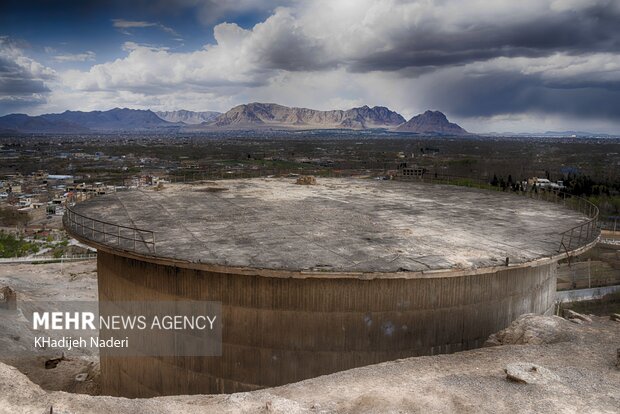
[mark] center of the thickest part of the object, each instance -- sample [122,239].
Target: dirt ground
[50,282]
[579,361]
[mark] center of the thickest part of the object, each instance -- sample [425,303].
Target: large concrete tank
[321,278]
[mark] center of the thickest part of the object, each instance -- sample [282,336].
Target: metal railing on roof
[125,237]
[574,237]
[582,233]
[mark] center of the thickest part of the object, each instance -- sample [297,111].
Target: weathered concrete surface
[467,382]
[338,225]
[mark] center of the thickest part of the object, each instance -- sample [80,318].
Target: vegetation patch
[12,246]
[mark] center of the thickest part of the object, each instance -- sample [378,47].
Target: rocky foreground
[554,366]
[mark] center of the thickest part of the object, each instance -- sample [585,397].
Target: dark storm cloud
[594,29]
[503,93]
[19,104]
[14,80]
[281,44]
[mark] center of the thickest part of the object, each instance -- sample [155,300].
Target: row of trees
[507,184]
[577,184]
[604,194]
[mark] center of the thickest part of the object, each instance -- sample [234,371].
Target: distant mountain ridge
[37,124]
[252,116]
[117,119]
[431,122]
[187,117]
[114,119]
[270,114]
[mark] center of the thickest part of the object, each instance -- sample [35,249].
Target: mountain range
[242,117]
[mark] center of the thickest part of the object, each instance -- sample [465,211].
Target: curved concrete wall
[282,330]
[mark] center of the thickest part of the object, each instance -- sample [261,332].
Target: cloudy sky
[490,65]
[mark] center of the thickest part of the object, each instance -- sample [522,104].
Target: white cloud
[23,81]
[123,25]
[76,57]
[156,70]
[28,67]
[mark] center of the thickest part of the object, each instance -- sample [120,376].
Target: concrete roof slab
[339,225]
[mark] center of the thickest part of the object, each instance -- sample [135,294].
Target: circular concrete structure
[323,278]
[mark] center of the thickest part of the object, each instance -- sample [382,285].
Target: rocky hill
[274,115]
[187,117]
[431,122]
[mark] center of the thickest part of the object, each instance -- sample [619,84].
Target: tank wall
[282,330]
